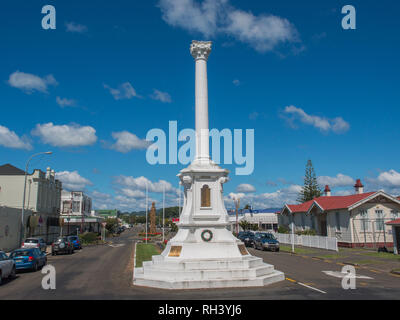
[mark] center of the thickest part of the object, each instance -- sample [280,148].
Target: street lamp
[23,198]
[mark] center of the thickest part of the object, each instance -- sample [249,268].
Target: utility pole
[237,205]
[146,209]
[163,215]
[292,237]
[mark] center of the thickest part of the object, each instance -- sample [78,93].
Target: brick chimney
[327,191]
[359,187]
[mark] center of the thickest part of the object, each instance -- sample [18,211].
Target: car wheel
[35,267]
[277,250]
[1,279]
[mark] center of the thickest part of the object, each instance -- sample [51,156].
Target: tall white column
[200,51]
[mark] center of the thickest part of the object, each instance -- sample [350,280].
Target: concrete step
[155,272]
[273,277]
[206,264]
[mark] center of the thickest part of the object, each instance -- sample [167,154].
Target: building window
[66,206]
[205,196]
[364,220]
[379,220]
[337,216]
[395,214]
[76,206]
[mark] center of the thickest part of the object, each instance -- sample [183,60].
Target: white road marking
[309,287]
[117,245]
[338,274]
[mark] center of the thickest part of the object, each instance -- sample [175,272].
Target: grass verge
[144,252]
[385,255]
[286,248]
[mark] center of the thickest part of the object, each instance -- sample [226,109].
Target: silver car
[35,243]
[7,267]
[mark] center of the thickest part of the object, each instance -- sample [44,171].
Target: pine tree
[311,189]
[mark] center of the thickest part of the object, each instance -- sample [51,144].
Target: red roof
[330,203]
[397,221]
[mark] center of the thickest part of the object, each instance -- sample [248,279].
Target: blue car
[75,241]
[28,259]
[265,241]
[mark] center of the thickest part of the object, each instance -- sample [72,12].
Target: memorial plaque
[243,250]
[175,251]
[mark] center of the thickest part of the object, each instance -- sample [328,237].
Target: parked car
[34,243]
[265,241]
[31,258]
[7,267]
[245,234]
[248,239]
[75,242]
[62,245]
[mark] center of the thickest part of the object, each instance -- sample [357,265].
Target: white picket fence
[328,243]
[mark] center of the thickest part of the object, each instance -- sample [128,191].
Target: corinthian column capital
[200,49]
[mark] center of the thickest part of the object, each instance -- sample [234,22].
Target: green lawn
[288,248]
[385,255]
[331,256]
[144,252]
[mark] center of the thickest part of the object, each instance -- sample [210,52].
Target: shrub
[283,229]
[88,237]
[309,232]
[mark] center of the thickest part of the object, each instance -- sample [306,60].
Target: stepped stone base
[248,271]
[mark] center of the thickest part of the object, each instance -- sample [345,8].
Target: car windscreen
[268,236]
[31,241]
[20,253]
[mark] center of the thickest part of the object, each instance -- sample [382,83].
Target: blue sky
[113,70]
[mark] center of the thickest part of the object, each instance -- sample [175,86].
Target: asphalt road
[105,272]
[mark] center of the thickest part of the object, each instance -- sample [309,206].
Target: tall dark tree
[311,189]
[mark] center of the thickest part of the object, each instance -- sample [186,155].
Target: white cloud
[389,181]
[236,82]
[266,200]
[245,188]
[213,17]
[10,139]
[72,181]
[340,180]
[140,183]
[389,178]
[29,83]
[64,102]
[137,194]
[161,96]
[76,27]
[263,33]
[72,135]
[337,125]
[127,141]
[124,91]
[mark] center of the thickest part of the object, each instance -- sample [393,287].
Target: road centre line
[305,285]
[312,288]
